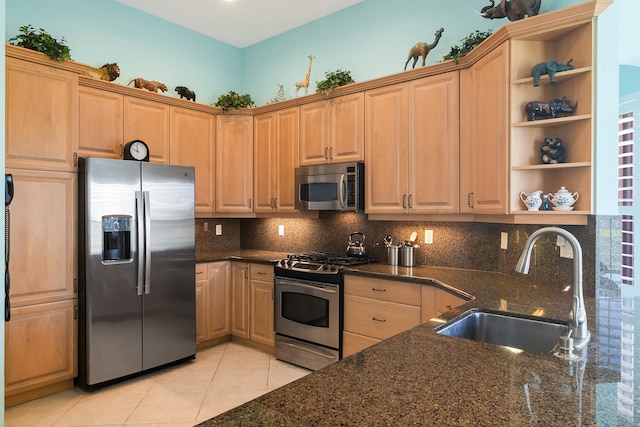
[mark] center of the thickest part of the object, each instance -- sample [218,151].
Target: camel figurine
[422,49]
[305,83]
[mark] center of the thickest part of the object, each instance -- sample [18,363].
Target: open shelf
[561,77]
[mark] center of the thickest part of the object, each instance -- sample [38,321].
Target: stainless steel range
[309,308]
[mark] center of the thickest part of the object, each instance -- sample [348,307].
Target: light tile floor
[220,378]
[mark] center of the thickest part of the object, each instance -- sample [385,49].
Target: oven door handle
[302,285]
[308,350]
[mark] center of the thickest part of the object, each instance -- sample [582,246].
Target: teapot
[563,198]
[532,200]
[356,246]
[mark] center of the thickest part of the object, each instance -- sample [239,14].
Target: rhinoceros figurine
[536,109]
[551,68]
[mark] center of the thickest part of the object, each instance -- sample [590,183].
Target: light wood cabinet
[41,105]
[41,350]
[234,164]
[376,309]
[527,173]
[412,147]
[275,150]
[262,304]
[101,115]
[484,116]
[212,302]
[332,131]
[43,262]
[436,301]
[193,144]
[240,299]
[148,121]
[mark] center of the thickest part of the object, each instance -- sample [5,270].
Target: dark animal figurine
[550,109]
[514,9]
[551,68]
[185,92]
[422,49]
[151,86]
[552,151]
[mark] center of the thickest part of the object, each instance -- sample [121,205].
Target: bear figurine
[552,151]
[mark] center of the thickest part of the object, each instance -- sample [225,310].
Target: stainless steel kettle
[356,246]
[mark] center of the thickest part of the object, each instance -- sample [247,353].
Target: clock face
[138,150]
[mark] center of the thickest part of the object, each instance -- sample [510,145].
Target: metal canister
[392,255]
[406,255]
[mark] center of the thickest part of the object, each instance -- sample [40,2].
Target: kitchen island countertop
[421,378]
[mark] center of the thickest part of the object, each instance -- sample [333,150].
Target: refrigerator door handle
[147,242]
[141,243]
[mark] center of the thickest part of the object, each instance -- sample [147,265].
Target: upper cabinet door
[386,150]
[234,164]
[434,144]
[314,133]
[100,123]
[287,159]
[149,122]
[41,106]
[347,128]
[193,144]
[484,126]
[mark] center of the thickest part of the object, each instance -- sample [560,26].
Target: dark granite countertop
[247,255]
[421,378]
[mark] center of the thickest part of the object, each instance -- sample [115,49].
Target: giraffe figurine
[305,83]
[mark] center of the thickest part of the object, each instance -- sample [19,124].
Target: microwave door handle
[343,192]
[140,243]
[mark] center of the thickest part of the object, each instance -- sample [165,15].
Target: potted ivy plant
[235,101]
[41,41]
[332,80]
[467,45]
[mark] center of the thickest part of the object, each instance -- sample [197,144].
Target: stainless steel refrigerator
[136,268]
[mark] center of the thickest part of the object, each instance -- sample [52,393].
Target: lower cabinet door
[353,343]
[41,346]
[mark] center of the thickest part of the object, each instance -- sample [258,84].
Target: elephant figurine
[549,109]
[550,68]
[514,9]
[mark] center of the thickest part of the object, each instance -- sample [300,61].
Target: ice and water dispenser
[116,231]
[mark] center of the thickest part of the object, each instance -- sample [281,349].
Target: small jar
[545,203]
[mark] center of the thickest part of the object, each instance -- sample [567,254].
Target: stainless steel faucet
[578,315]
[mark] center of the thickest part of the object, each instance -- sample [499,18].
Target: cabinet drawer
[378,319]
[262,272]
[353,343]
[384,290]
[202,271]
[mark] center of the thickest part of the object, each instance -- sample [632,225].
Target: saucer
[563,208]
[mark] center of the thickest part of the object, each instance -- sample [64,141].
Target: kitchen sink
[506,329]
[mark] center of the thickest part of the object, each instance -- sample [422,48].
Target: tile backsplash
[455,244]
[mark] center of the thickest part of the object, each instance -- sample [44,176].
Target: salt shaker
[545,203]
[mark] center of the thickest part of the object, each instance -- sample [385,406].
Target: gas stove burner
[325,258]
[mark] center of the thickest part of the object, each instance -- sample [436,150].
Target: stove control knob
[325,267]
[283,262]
[334,268]
[289,263]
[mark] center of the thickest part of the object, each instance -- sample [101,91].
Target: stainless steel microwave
[333,187]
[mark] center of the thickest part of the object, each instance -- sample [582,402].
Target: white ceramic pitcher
[532,201]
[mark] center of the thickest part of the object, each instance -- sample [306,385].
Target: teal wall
[101,31]
[370,39]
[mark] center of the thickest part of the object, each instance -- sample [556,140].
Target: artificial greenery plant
[234,100]
[41,41]
[333,79]
[468,43]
